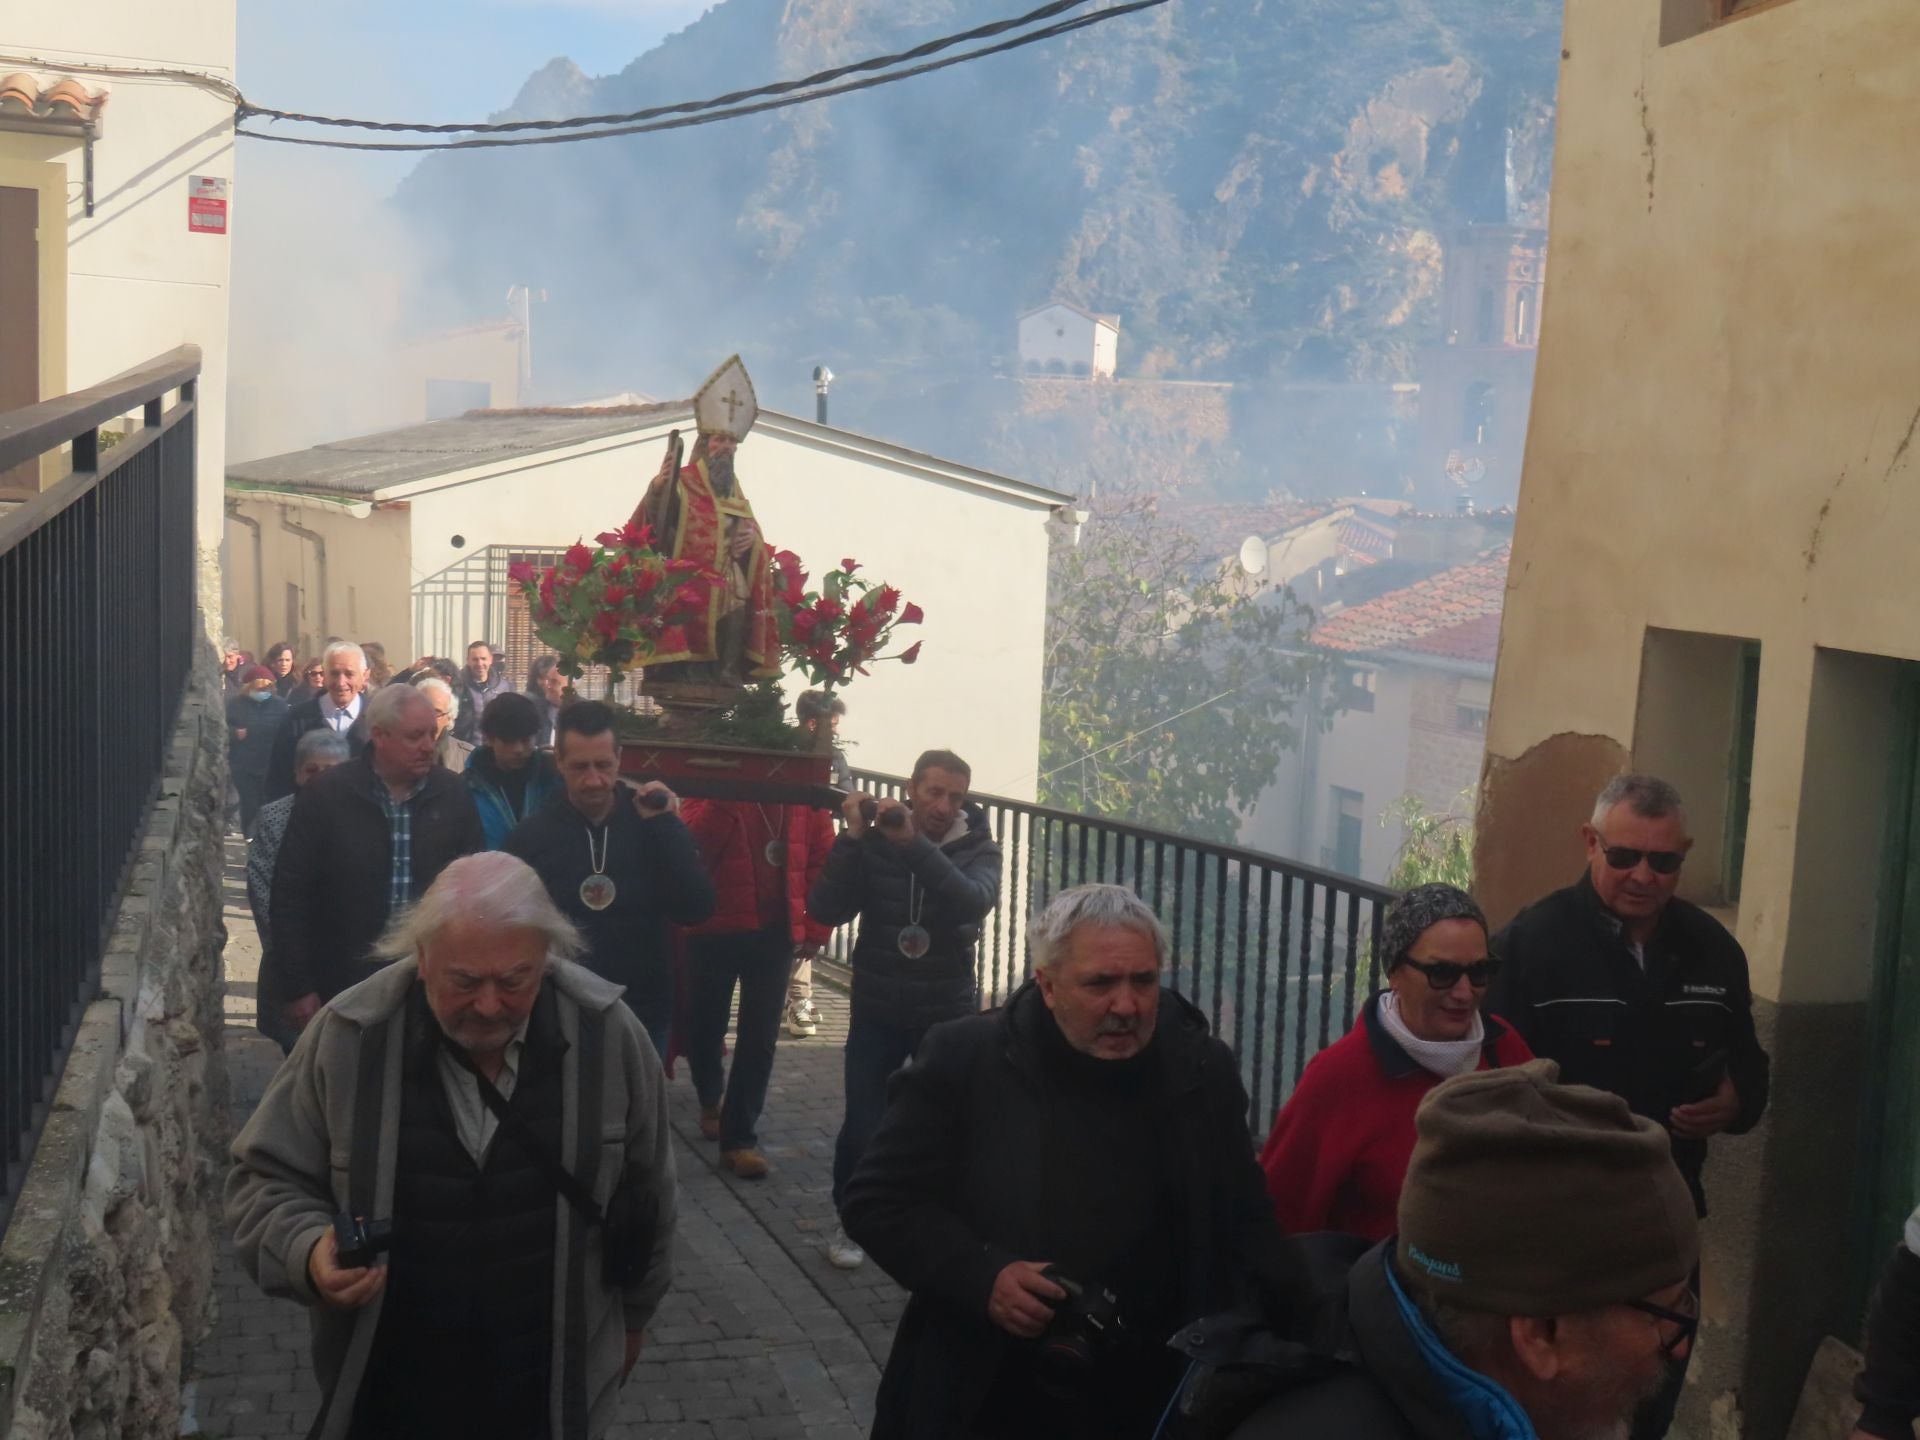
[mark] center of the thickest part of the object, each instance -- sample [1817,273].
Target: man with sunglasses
[1636,991]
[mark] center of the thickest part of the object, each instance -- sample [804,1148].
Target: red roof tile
[1454,614]
[53,98]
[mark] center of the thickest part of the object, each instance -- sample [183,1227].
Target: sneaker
[803,1022]
[746,1163]
[710,1122]
[842,1253]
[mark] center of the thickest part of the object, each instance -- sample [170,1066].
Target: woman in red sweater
[1340,1145]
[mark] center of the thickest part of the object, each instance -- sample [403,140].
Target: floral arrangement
[836,632]
[617,604]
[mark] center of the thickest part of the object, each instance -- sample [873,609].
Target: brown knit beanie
[1529,1197]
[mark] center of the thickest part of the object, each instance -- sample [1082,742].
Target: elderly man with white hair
[465,1171]
[341,707]
[1082,1150]
[449,749]
[364,841]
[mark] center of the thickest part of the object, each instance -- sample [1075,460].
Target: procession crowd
[1476,1217]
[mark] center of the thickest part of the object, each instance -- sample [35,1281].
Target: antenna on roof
[1253,555]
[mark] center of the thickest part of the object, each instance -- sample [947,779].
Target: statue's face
[720,449]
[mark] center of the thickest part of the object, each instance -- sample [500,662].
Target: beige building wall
[300,569]
[1722,451]
[975,561]
[137,282]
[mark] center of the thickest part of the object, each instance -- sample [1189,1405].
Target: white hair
[491,888]
[343,647]
[389,706]
[321,744]
[434,685]
[1647,796]
[1107,907]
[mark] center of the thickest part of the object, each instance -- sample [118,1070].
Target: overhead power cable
[784,87]
[701,113]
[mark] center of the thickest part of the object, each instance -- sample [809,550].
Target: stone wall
[106,1266]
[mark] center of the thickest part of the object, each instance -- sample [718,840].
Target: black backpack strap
[511,1124]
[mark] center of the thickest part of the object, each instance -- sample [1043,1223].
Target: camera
[1085,1325]
[894,821]
[359,1241]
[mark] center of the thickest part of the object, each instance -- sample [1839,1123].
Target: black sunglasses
[1661,862]
[1445,974]
[1686,1323]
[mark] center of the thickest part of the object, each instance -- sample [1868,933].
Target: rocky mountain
[1261,189]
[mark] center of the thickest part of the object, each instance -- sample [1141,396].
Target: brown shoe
[710,1122]
[747,1164]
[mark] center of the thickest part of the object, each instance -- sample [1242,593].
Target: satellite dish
[1253,555]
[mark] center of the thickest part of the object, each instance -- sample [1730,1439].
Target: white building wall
[1061,334]
[976,563]
[138,281]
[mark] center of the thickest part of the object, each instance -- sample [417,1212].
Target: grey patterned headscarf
[1409,917]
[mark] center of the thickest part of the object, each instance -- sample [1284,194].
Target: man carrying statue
[698,512]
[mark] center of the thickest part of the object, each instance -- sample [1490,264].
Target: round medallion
[776,853]
[915,941]
[597,892]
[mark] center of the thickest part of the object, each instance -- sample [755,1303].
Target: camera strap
[557,1174]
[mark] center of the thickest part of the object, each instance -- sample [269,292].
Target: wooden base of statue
[728,772]
[687,702]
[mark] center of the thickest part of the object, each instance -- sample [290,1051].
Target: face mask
[259,694]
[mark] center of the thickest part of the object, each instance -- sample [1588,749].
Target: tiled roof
[1221,527]
[1365,540]
[57,99]
[1112,321]
[1454,614]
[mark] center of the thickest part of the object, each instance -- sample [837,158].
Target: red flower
[886,600]
[520,573]
[804,622]
[607,626]
[912,615]
[683,567]
[911,653]
[546,593]
[578,558]
[672,640]
[616,593]
[849,565]
[826,609]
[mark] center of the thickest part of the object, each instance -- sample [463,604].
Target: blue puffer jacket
[497,813]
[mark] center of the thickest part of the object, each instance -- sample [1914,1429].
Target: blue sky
[437,60]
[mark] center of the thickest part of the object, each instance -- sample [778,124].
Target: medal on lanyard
[598,890]
[776,850]
[914,940]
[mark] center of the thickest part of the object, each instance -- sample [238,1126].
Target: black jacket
[659,881]
[950,1192]
[1576,994]
[332,880]
[1372,1384]
[300,719]
[1889,1385]
[261,721]
[954,885]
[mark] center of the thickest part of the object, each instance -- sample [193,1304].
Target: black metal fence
[97,625]
[1278,955]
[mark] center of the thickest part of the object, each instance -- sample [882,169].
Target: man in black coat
[365,840]
[920,877]
[618,862]
[1635,991]
[341,707]
[1089,1134]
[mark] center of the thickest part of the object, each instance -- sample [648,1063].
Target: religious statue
[699,512]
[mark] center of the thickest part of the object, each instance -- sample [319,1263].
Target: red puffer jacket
[728,832]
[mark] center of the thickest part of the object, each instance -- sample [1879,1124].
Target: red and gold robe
[699,524]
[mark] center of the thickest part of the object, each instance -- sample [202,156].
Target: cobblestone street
[759,1337]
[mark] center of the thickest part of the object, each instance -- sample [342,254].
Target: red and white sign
[207,204]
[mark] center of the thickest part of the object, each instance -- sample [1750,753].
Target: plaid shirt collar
[399,813]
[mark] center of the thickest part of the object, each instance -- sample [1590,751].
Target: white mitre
[725,405]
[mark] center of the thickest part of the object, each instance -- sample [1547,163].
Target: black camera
[1085,1325]
[358,1241]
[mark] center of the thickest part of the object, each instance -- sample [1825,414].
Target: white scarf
[1444,1058]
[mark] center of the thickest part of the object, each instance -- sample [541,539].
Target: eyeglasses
[1685,1322]
[1445,974]
[316,673]
[1661,862]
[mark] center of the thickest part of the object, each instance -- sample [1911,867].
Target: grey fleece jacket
[324,1139]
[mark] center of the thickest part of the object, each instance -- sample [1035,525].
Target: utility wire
[784,87]
[708,117]
[218,84]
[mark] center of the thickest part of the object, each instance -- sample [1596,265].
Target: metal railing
[1279,956]
[97,622]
